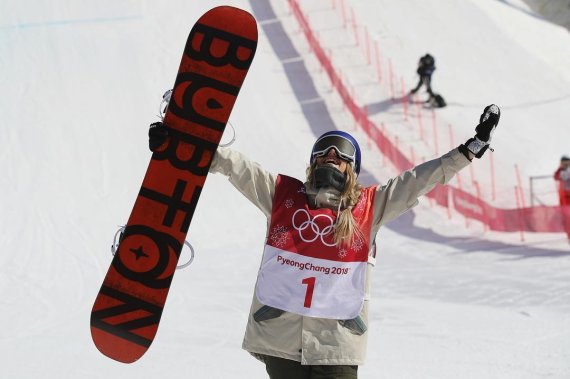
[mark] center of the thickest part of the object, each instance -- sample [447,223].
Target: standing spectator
[563,176]
[426,67]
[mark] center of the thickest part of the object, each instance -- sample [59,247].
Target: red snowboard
[127,310]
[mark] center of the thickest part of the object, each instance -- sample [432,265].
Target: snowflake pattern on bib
[279,236]
[357,244]
[359,207]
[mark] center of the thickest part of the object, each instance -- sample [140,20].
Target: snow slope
[81,81]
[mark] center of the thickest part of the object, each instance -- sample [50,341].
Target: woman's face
[332,159]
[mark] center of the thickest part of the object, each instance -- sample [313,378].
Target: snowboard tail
[128,308]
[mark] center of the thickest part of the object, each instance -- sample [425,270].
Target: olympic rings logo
[310,224]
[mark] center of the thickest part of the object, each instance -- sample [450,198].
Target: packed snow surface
[81,82]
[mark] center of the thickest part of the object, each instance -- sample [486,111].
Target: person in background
[426,67]
[562,175]
[309,313]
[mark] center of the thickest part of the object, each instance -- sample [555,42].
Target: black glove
[488,122]
[483,132]
[157,135]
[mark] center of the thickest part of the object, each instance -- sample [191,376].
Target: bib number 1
[310,282]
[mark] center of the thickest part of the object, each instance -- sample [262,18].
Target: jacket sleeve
[401,193]
[255,183]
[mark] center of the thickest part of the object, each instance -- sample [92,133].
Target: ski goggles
[343,147]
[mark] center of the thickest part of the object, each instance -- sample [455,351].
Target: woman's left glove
[484,131]
[157,135]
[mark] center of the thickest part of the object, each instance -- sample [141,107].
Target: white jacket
[315,341]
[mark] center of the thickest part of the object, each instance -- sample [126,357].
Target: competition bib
[303,271]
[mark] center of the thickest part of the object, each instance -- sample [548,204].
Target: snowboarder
[309,312]
[426,67]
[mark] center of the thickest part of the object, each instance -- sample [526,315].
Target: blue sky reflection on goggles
[344,148]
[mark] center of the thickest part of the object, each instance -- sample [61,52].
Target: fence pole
[493,183]
[383,148]
[343,13]
[391,73]
[352,94]
[404,99]
[396,150]
[435,139]
[519,183]
[517,197]
[451,141]
[448,205]
[368,129]
[354,27]
[420,121]
[378,62]
[485,219]
[368,49]
[451,146]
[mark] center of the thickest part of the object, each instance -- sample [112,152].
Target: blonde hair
[346,229]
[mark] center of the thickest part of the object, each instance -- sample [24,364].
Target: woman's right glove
[157,135]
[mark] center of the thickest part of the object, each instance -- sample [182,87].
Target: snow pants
[279,368]
[426,80]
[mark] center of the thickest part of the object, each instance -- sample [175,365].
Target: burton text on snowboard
[127,310]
